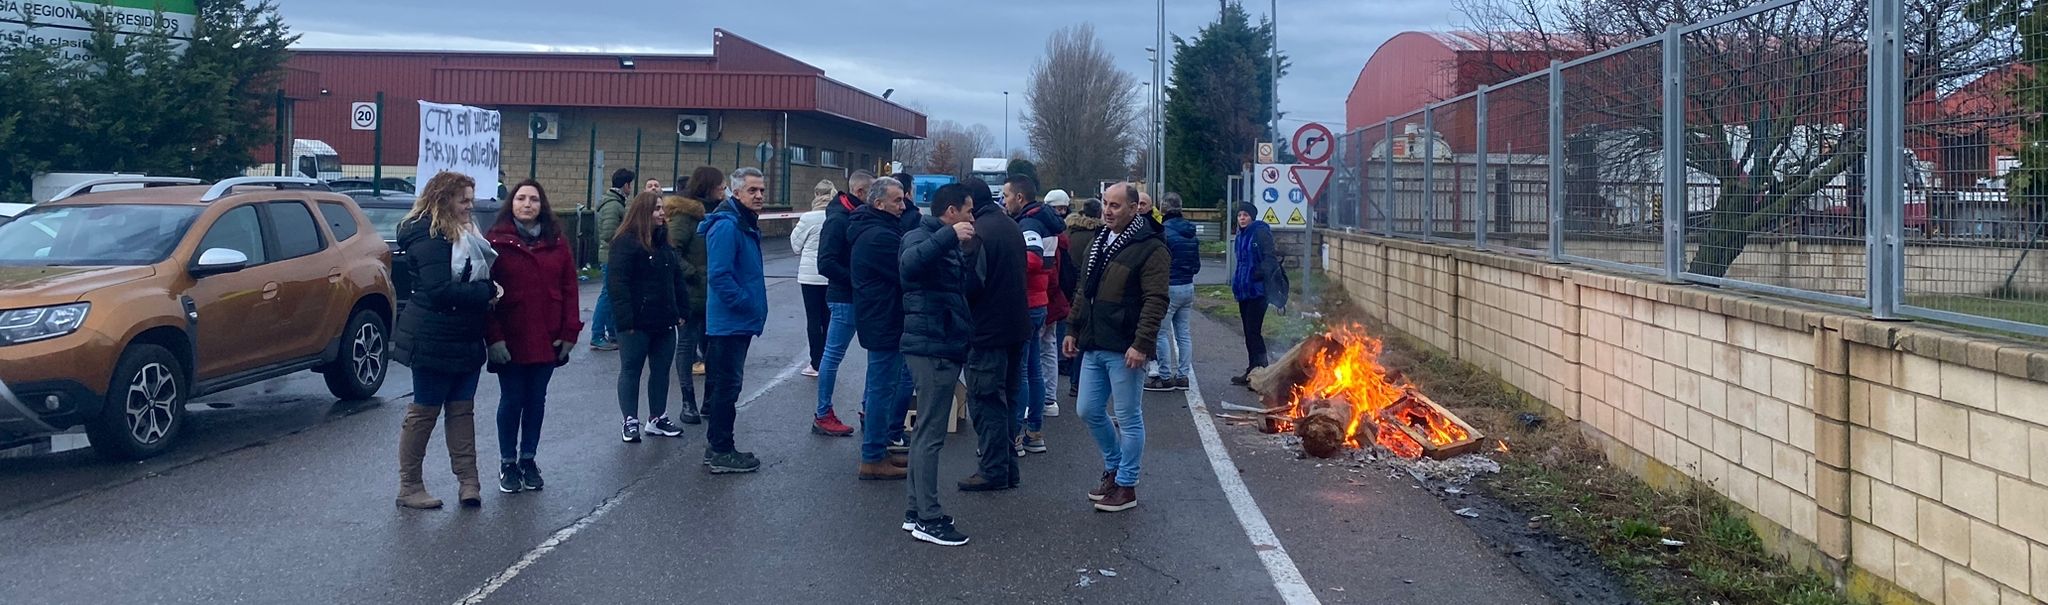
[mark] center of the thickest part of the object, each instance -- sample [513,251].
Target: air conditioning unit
[693,128]
[545,126]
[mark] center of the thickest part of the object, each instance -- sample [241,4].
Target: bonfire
[1332,391]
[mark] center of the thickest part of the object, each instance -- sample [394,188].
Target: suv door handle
[334,275]
[270,291]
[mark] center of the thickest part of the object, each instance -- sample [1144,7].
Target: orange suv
[119,307]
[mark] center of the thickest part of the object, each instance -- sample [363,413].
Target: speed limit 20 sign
[362,115]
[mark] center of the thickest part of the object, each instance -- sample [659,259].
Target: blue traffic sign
[1294,195]
[1272,195]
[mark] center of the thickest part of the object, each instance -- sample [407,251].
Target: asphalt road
[281,494]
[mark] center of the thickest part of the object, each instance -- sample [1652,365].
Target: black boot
[688,414]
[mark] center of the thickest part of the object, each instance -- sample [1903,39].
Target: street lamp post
[1006,123]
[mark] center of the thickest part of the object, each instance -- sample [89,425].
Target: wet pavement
[280,494]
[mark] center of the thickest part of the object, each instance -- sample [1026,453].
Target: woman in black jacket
[440,334]
[648,298]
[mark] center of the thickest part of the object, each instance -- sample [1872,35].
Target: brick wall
[1909,461]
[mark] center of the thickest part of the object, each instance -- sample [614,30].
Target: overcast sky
[955,58]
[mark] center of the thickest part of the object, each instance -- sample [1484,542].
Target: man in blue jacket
[734,313]
[936,328]
[1172,366]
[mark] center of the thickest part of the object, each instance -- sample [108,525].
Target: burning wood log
[1275,383]
[1322,430]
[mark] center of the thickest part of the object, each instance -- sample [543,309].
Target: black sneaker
[1180,384]
[899,446]
[723,463]
[1243,380]
[510,479]
[661,426]
[909,520]
[632,430]
[1157,384]
[939,531]
[529,473]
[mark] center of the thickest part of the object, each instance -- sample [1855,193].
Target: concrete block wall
[1909,461]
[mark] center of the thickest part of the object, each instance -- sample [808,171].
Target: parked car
[117,308]
[387,210]
[391,184]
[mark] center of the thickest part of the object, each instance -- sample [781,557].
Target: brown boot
[461,435]
[881,471]
[412,450]
[899,460]
[1119,499]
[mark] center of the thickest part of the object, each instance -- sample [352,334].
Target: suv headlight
[19,326]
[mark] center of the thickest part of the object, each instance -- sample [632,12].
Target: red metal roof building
[747,94]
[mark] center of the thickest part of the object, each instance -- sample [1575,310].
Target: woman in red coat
[532,329]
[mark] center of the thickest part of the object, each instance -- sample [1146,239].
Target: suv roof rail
[225,186]
[145,181]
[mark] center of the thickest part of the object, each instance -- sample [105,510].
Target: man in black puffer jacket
[877,234]
[834,257]
[1002,323]
[936,284]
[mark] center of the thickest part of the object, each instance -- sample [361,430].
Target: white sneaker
[810,371]
[1052,409]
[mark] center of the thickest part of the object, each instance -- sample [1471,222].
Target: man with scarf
[1114,329]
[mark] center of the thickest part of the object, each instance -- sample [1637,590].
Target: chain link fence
[1848,152]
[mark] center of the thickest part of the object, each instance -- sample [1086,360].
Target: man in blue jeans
[1175,362]
[877,233]
[1115,325]
[1041,228]
[611,210]
[834,262]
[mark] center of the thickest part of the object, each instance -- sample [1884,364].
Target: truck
[992,172]
[315,159]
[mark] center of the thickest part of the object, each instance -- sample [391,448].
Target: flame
[1348,370]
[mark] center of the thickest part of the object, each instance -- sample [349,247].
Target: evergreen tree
[1219,99]
[144,102]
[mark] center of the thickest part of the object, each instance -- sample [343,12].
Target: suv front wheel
[145,406]
[358,371]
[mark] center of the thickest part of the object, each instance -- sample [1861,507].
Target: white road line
[563,535]
[1286,577]
[533,556]
[775,382]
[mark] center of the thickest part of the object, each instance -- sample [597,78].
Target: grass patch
[1282,328]
[1555,474]
[1215,248]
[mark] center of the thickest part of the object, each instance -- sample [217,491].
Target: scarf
[531,232]
[1108,242]
[473,253]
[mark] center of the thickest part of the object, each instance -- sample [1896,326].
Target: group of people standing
[677,280]
[975,291]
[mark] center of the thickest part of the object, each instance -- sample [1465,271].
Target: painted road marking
[563,535]
[1286,577]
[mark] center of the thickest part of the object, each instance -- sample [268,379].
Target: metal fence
[1889,159]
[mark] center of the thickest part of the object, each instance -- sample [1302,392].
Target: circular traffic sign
[1295,195]
[1313,144]
[1272,194]
[362,116]
[1271,174]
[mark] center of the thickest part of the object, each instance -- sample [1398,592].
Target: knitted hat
[1057,198]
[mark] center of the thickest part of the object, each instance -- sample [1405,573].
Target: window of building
[799,154]
[828,158]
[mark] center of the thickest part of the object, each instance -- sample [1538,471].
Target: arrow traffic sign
[1313,144]
[1313,179]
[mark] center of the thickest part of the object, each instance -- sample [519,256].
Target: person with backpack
[611,211]
[1257,281]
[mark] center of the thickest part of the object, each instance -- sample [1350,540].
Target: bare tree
[948,148]
[1775,104]
[1079,111]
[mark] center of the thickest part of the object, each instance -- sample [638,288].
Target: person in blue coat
[1256,281]
[1175,362]
[734,313]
